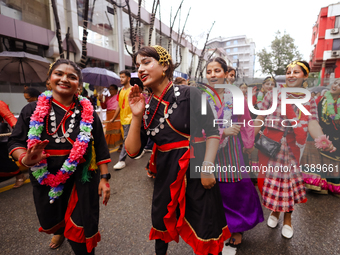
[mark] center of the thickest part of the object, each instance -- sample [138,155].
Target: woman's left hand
[104,188]
[330,148]
[248,150]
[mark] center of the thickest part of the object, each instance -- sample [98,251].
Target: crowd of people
[60,138]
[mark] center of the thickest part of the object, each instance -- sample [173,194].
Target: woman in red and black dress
[75,213]
[184,204]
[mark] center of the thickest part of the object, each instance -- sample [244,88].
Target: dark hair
[114,86]
[32,92]
[303,70]
[148,51]
[61,61]
[230,68]
[126,72]
[244,84]
[179,80]
[268,78]
[221,61]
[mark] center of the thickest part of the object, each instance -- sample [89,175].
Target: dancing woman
[65,145]
[241,203]
[327,162]
[184,204]
[282,190]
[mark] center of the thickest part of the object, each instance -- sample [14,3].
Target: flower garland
[330,106]
[39,171]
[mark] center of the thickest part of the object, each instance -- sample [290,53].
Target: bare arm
[258,123]
[208,181]
[104,186]
[314,129]
[115,115]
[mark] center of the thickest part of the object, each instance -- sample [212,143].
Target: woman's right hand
[233,130]
[136,101]
[36,153]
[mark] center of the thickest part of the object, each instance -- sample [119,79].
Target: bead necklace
[155,130]
[54,129]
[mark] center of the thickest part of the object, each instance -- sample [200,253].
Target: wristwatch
[105,176]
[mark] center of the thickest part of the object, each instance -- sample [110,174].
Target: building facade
[29,25]
[325,52]
[241,51]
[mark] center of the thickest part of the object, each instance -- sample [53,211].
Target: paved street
[125,222]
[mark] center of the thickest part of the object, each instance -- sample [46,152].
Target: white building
[241,50]
[30,26]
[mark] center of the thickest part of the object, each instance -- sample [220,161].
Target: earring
[163,74]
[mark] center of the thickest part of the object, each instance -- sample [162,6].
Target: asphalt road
[125,222]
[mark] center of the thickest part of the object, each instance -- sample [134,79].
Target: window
[235,64]
[337,21]
[100,27]
[336,44]
[31,11]
[235,57]
[228,43]
[235,42]
[228,50]
[235,49]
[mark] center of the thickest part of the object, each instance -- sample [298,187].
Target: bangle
[22,162]
[209,165]
[22,155]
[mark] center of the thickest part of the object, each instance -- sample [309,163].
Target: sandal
[233,239]
[57,241]
[19,182]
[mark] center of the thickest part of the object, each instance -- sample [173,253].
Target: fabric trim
[58,152]
[104,161]
[131,155]
[17,148]
[53,229]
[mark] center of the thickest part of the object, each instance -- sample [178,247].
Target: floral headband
[164,56]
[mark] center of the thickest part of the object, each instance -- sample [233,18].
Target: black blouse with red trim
[60,150]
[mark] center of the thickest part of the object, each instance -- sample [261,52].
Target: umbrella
[100,77]
[317,89]
[22,67]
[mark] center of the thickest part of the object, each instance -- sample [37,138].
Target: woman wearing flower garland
[327,162]
[65,144]
[241,203]
[283,189]
[185,203]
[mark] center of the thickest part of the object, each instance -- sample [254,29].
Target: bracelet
[22,162]
[209,165]
[22,155]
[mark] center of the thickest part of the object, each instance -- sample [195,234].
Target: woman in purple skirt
[241,203]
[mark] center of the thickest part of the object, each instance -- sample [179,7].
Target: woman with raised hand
[283,189]
[322,167]
[185,203]
[65,145]
[241,203]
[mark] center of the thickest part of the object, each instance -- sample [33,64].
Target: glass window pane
[35,12]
